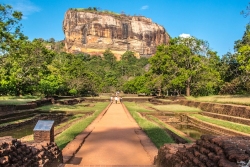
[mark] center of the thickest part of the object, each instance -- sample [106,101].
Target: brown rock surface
[211,151]
[94,31]
[14,153]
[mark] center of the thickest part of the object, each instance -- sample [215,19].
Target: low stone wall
[15,125]
[228,118]
[136,99]
[209,151]
[225,109]
[69,101]
[15,154]
[29,105]
[215,129]
[56,117]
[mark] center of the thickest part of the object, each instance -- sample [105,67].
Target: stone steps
[227,118]
[18,117]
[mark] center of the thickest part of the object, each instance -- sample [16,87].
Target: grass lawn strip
[17,121]
[68,135]
[16,100]
[70,120]
[176,108]
[157,135]
[182,135]
[225,124]
[81,107]
[224,99]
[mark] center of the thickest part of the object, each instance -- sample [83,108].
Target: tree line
[186,66]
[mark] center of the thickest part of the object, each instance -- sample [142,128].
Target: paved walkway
[115,140]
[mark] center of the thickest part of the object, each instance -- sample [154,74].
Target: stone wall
[214,128]
[228,118]
[4,109]
[16,154]
[226,109]
[56,117]
[209,151]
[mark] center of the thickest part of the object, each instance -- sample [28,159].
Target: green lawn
[68,135]
[16,100]
[227,99]
[157,135]
[81,107]
[176,108]
[139,107]
[225,124]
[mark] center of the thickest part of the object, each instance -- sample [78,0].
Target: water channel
[191,130]
[20,131]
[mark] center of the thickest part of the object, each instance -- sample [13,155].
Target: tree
[242,48]
[24,68]
[10,29]
[180,64]
[109,58]
[247,11]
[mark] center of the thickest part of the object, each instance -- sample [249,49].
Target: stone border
[212,127]
[227,118]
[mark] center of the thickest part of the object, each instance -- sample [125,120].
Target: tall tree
[181,62]
[10,29]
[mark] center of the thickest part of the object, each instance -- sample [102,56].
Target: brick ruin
[15,154]
[209,151]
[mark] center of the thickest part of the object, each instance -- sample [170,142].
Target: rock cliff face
[93,32]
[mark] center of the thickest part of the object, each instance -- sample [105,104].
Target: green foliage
[185,64]
[137,85]
[10,29]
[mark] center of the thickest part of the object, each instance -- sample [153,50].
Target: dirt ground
[113,139]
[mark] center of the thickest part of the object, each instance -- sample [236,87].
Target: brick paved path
[115,140]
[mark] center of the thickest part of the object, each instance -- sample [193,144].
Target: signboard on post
[44,131]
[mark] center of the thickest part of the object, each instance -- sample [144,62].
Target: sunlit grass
[70,120]
[182,135]
[138,107]
[16,100]
[227,99]
[17,121]
[176,108]
[226,124]
[81,107]
[157,135]
[69,134]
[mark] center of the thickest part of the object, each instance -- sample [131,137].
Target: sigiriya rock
[93,32]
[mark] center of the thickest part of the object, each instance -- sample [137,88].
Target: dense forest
[186,66]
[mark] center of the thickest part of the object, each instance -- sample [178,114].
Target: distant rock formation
[95,31]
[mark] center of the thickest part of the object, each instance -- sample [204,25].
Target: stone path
[116,140]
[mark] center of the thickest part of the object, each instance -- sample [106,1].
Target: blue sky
[217,21]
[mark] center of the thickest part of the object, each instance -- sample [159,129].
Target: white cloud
[25,6]
[144,7]
[185,35]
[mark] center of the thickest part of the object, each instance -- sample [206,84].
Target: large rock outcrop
[95,31]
